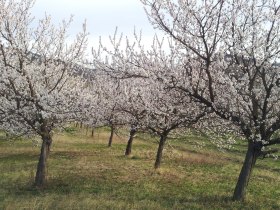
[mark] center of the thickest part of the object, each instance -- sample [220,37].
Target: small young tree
[132,106]
[38,89]
[164,114]
[109,96]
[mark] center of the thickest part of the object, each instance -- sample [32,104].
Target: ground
[83,173]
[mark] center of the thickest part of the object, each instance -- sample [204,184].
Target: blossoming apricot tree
[231,54]
[38,87]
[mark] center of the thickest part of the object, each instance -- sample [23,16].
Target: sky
[103,16]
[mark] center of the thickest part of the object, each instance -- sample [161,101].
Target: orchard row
[217,70]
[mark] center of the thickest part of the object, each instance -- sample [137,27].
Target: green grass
[83,173]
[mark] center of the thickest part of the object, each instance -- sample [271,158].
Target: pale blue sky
[102,16]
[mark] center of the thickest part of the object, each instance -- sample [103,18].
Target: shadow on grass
[67,154]
[132,193]
[18,157]
[60,186]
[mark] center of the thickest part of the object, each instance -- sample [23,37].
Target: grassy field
[83,173]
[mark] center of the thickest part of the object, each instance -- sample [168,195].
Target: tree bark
[41,173]
[92,132]
[130,140]
[111,135]
[252,154]
[160,149]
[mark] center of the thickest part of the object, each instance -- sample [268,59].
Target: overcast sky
[102,16]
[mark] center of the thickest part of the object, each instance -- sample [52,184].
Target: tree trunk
[160,149]
[41,173]
[92,132]
[130,140]
[250,160]
[111,135]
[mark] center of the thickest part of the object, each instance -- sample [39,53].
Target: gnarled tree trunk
[163,138]
[130,140]
[252,154]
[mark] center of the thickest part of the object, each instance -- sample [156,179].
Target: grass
[83,173]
